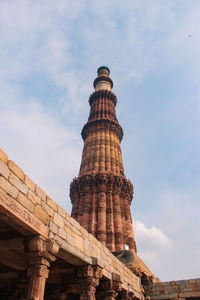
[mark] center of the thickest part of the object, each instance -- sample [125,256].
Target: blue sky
[49,54]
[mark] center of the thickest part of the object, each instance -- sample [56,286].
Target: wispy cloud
[153,236]
[47,151]
[153,245]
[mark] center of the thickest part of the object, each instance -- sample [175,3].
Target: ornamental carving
[102,124]
[40,244]
[89,271]
[102,182]
[111,287]
[126,295]
[103,94]
[101,195]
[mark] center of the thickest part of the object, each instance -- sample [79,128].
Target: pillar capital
[41,253]
[40,244]
[126,295]
[111,287]
[89,271]
[88,278]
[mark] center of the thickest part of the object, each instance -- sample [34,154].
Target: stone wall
[180,289]
[30,206]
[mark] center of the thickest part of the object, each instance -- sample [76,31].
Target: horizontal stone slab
[189,294]
[167,296]
[21,215]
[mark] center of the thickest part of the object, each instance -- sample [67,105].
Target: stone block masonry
[181,289]
[28,205]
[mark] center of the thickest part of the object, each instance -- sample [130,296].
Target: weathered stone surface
[163,296]
[25,202]
[4,171]
[8,187]
[101,195]
[58,220]
[21,215]
[53,227]
[175,289]
[189,294]
[16,170]
[29,182]
[40,193]
[18,183]
[61,211]
[62,233]
[52,203]
[47,209]
[41,214]
[33,197]
[3,156]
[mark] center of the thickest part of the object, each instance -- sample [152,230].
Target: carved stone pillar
[109,295]
[41,254]
[88,289]
[111,288]
[126,295]
[88,277]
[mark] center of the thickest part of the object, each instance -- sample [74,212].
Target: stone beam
[17,244]
[74,257]
[21,215]
[13,259]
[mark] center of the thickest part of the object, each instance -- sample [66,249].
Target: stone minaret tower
[101,195]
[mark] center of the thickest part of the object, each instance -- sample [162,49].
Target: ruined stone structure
[46,254]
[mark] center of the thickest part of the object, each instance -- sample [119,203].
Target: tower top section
[103,81]
[103,70]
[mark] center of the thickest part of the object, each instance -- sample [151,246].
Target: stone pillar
[107,151]
[111,287]
[126,295]
[109,295]
[117,221]
[88,289]
[101,223]
[110,243]
[92,228]
[88,279]
[41,254]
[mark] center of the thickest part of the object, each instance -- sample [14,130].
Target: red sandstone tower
[101,195]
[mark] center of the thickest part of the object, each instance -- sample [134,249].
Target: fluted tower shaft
[101,195]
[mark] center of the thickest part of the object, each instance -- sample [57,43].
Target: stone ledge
[37,212]
[21,215]
[3,156]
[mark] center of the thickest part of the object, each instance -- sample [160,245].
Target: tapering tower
[101,195]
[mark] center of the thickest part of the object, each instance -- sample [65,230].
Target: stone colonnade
[42,253]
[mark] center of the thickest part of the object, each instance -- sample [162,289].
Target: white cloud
[47,151]
[153,246]
[152,236]
[170,252]
[65,41]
